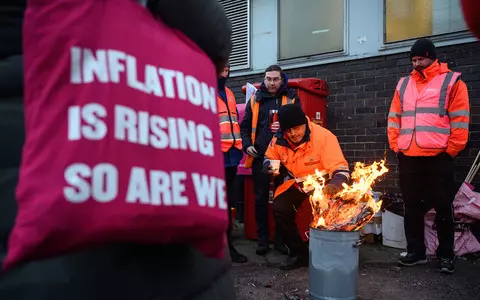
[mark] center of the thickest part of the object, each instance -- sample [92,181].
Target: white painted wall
[364,27]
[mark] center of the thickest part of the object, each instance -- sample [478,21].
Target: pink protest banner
[122,140]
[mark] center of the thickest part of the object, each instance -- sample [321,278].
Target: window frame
[344,52]
[248,65]
[443,37]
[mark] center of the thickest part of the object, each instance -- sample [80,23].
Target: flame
[351,208]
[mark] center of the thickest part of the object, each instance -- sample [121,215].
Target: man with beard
[427,127]
[257,129]
[231,148]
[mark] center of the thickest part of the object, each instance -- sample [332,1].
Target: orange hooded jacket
[321,151]
[459,101]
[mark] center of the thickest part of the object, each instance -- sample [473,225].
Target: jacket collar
[436,68]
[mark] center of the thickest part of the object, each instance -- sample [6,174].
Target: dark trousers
[285,208]
[230,173]
[426,183]
[261,188]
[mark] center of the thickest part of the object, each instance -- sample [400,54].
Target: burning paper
[351,208]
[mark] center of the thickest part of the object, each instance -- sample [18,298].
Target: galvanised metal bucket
[333,271]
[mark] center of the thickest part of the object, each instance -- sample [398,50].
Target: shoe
[283,249]
[412,259]
[294,262]
[262,249]
[446,266]
[237,257]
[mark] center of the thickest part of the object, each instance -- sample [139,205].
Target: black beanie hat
[291,115]
[424,48]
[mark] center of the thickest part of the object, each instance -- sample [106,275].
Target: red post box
[312,93]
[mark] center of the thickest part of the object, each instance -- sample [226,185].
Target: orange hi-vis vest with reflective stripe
[255,106]
[425,113]
[229,127]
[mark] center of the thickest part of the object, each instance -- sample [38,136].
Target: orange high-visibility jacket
[429,113]
[255,106]
[229,127]
[321,151]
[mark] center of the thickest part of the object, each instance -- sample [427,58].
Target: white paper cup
[275,164]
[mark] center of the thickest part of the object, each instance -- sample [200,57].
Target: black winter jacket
[267,102]
[115,271]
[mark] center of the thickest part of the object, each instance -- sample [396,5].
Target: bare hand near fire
[273,171]
[331,189]
[275,126]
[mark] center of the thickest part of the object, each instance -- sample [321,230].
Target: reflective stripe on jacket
[429,113]
[321,151]
[425,112]
[255,106]
[229,127]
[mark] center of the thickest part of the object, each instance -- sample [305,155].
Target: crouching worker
[301,147]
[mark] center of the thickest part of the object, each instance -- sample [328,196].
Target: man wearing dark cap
[427,128]
[301,147]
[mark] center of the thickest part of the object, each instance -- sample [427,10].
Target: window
[310,27]
[409,19]
[238,12]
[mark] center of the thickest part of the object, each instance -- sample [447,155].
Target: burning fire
[351,208]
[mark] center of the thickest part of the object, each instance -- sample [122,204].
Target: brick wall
[360,95]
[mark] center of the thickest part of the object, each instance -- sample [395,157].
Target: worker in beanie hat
[290,116]
[298,149]
[426,148]
[424,48]
[423,53]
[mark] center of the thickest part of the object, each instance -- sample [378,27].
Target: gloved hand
[331,189]
[252,151]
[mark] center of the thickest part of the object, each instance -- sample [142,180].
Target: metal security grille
[238,11]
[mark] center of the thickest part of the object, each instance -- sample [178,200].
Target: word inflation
[117,67]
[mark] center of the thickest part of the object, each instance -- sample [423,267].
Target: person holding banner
[120,193]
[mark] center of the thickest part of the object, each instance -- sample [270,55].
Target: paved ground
[380,277]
